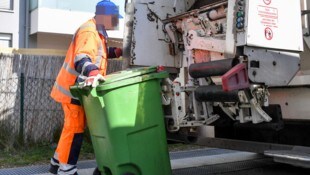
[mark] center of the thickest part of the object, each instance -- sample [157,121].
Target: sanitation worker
[86,62]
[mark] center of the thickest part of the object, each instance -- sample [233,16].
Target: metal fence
[27,112]
[9,125]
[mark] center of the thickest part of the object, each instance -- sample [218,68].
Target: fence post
[21,121]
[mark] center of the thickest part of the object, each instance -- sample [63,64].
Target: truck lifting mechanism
[238,68]
[239,47]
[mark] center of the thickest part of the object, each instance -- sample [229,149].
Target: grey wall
[53,41]
[22,23]
[12,22]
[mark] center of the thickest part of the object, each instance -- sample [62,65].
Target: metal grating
[256,166]
[225,167]
[42,169]
[92,164]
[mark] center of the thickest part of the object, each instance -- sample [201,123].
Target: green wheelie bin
[126,122]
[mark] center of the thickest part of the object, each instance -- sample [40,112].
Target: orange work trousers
[71,138]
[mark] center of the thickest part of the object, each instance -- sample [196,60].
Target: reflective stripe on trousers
[71,138]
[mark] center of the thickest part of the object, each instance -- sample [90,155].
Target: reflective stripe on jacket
[87,42]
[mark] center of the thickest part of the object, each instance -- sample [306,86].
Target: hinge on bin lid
[236,78]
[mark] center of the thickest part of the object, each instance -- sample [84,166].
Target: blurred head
[107,14]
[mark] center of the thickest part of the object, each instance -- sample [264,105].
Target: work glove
[115,52]
[118,52]
[93,79]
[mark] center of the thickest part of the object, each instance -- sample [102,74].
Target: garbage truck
[239,71]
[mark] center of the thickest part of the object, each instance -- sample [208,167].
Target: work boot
[75,173]
[53,169]
[72,174]
[67,169]
[96,171]
[54,166]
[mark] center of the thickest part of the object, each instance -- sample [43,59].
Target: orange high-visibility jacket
[87,42]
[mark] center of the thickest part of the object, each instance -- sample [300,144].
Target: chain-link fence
[27,112]
[9,112]
[39,112]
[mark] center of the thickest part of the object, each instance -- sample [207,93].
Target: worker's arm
[85,54]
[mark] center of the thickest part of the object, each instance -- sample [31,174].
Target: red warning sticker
[268,33]
[267,2]
[268,16]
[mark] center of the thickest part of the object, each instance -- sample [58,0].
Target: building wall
[61,21]
[53,23]
[47,26]
[22,24]
[62,41]
[13,22]
[57,21]
[53,41]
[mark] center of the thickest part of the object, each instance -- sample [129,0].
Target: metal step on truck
[239,71]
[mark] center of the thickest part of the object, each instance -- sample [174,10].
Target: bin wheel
[96,171]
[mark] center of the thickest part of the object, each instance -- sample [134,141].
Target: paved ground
[195,162]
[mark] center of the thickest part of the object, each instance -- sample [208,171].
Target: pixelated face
[107,15]
[110,22]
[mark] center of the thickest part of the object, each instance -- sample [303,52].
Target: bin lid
[131,76]
[130,73]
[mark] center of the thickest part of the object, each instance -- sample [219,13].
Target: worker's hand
[93,79]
